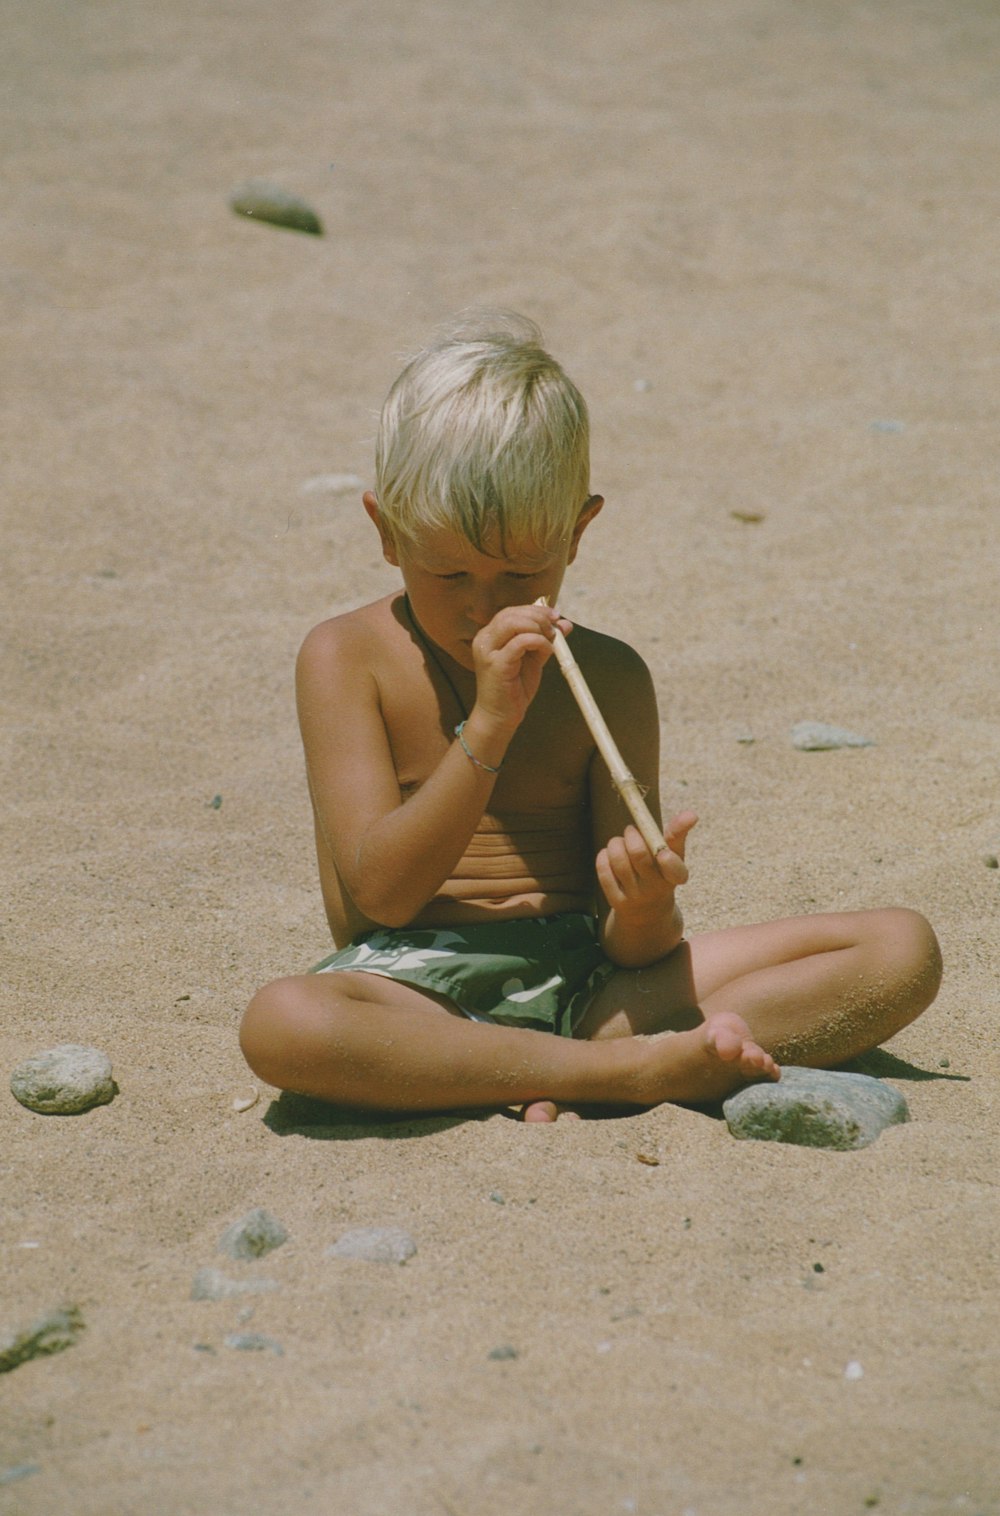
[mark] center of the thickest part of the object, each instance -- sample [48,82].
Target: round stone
[64,1080]
[375,1244]
[256,1233]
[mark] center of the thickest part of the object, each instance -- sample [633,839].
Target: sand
[762,237]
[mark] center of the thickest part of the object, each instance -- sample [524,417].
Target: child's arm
[393,856]
[640,920]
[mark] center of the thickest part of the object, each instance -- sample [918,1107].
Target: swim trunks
[539,971]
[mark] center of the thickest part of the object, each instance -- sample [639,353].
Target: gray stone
[19,1471]
[256,1233]
[268,202]
[375,1244]
[818,737]
[502,1353]
[64,1080]
[816,1108]
[332,484]
[253,1342]
[212,1284]
[51,1333]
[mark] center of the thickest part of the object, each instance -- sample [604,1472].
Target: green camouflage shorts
[539,972]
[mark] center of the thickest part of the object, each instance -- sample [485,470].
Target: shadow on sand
[303,1116]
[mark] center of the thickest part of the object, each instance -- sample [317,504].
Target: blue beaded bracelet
[488,767]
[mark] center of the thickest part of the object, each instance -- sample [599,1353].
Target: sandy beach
[762,238]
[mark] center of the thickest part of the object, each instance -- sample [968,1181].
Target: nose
[483,603]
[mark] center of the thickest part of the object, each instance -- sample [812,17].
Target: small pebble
[246,1102]
[641,386]
[212,1284]
[253,1342]
[374,1244]
[649,1159]
[268,202]
[256,1233]
[750,518]
[497,1198]
[502,1353]
[331,484]
[887,426]
[991,860]
[19,1471]
[944,1063]
[854,1370]
[817,737]
[215,804]
[64,1080]
[746,739]
[52,1333]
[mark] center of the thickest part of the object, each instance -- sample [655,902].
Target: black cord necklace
[432,653]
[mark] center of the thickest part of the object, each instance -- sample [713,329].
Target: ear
[385,536]
[591,507]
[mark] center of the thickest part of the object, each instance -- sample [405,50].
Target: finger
[608,880]
[677,829]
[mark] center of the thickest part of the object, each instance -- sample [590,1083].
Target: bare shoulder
[346,648]
[616,672]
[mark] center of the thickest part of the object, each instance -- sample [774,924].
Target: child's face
[455,589]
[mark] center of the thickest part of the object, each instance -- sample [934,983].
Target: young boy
[505,936]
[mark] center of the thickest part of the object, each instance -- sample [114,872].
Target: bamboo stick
[627,786]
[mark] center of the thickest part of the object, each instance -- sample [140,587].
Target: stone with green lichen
[816,1108]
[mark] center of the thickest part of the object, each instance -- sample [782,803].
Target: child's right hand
[509,654]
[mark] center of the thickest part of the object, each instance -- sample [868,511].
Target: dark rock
[267,202]
[816,1108]
[52,1333]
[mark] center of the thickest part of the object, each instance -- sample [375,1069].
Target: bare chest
[546,764]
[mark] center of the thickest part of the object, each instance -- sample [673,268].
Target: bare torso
[532,852]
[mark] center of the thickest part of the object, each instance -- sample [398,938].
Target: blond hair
[484,434]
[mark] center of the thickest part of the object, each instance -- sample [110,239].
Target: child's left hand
[636,883]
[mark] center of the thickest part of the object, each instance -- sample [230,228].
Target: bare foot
[547,1110]
[707,1062]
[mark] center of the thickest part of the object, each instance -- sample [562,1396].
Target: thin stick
[628,787]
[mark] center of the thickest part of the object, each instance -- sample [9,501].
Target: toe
[541,1110]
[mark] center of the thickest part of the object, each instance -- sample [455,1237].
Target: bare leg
[364,1041]
[811,990]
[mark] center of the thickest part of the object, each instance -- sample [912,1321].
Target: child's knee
[264,1028]
[913,950]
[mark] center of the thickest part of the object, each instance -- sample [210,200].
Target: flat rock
[19,1471]
[51,1333]
[253,1342]
[256,1233]
[332,484]
[819,737]
[375,1244]
[816,1108]
[64,1080]
[212,1284]
[269,202]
